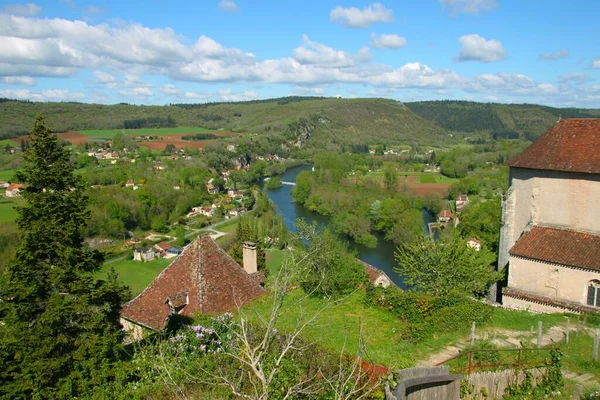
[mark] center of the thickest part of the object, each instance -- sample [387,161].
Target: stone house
[462,200]
[474,244]
[14,190]
[376,276]
[203,279]
[143,254]
[550,235]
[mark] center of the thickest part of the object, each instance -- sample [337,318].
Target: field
[7,212]
[422,183]
[167,136]
[6,175]
[135,274]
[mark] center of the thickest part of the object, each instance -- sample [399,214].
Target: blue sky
[158,52]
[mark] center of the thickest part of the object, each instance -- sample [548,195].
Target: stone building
[550,235]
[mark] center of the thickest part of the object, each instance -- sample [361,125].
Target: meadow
[137,275]
[7,212]
[7,174]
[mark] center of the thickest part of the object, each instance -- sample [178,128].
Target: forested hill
[528,120]
[328,121]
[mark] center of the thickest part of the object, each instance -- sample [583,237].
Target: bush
[416,333]
[460,316]
[411,307]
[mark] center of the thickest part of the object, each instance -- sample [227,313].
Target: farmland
[135,274]
[7,212]
[110,133]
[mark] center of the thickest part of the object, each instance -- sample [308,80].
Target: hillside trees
[445,266]
[60,330]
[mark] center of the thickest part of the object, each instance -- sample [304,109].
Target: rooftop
[212,280]
[560,246]
[571,145]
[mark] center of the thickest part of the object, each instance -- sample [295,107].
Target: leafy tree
[301,191]
[482,221]
[60,330]
[445,266]
[390,177]
[330,269]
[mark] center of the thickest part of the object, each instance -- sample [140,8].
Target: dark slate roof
[560,246]
[571,145]
[213,281]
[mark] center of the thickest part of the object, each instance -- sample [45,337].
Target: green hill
[328,121]
[528,120]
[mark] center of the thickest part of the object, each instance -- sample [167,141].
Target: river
[381,257]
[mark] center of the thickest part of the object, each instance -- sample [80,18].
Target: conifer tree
[59,330]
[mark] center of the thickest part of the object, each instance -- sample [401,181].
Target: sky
[179,51]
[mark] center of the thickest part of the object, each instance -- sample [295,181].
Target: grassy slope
[335,120]
[470,116]
[135,274]
[7,212]
[7,175]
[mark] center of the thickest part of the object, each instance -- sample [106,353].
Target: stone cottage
[550,235]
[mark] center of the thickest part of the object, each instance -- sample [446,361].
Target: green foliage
[302,190]
[390,177]
[423,315]
[60,333]
[329,269]
[482,221]
[446,265]
[551,383]
[200,136]
[274,183]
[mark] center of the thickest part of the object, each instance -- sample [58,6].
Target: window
[593,293]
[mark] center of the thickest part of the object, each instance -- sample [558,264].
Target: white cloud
[313,91]
[169,89]
[554,56]
[513,84]
[172,90]
[387,41]
[356,18]
[109,81]
[22,9]
[318,54]
[18,80]
[228,6]
[137,92]
[576,78]
[468,6]
[46,95]
[477,48]
[596,64]
[229,95]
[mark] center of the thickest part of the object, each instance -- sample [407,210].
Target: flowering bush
[204,339]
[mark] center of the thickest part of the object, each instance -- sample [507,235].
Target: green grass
[7,174]
[338,328]
[228,227]
[578,354]
[275,258]
[10,142]
[135,274]
[109,133]
[524,320]
[7,212]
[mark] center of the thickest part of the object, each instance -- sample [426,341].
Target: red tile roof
[163,246]
[213,281]
[446,214]
[14,186]
[560,246]
[571,145]
[374,273]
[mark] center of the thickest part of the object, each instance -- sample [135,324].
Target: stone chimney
[250,259]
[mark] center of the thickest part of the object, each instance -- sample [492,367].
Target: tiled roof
[213,281]
[548,301]
[374,273]
[14,186]
[446,214]
[571,145]
[164,246]
[560,246]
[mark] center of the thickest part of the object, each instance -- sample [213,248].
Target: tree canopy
[60,328]
[445,266]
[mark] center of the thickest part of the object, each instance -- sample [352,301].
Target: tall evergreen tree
[60,330]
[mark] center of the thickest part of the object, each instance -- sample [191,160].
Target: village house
[129,183]
[462,200]
[376,276]
[204,279]
[143,254]
[161,248]
[474,244]
[14,190]
[235,193]
[550,236]
[210,188]
[446,217]
[4,184]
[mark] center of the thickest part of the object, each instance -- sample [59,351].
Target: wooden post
[539,336]
[473,333]
[596,346]
[471,360]
[568,330]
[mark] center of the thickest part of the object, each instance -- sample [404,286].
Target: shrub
[416,333]
[460,316]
